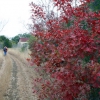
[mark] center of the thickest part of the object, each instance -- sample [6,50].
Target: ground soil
[15,79]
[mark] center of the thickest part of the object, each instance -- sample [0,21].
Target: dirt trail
[15,79]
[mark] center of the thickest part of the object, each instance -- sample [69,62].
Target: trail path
[15,79]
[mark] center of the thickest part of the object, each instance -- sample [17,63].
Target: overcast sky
[15,14]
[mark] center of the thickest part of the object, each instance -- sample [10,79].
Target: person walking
[5,50]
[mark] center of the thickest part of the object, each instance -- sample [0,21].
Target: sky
[14,15]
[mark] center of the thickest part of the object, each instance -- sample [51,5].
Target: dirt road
[15,79]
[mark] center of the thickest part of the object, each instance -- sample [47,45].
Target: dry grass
[6,65]
[1,58]
[25,74]
[22,56]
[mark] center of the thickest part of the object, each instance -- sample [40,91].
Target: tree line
[5,41]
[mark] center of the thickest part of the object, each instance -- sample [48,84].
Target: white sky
[15,13]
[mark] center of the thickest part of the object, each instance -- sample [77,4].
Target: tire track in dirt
[2,67]
[5,74]
[12,92]
[21,82]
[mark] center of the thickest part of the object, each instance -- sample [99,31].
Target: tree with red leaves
[66,52]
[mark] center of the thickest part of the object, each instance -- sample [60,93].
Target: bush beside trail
[66,52]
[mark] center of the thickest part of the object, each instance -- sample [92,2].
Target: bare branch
[3,23]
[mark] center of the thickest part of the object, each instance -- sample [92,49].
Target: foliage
[67,58]
[2,38]
[5,42]
[24,47]
[95,5]
[17,37]
[32,40]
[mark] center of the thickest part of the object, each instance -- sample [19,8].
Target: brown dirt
[15,78]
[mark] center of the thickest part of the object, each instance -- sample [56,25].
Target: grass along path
[16,77]
[5,74]
[12,92]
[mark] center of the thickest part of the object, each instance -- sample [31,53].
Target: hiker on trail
[5,50]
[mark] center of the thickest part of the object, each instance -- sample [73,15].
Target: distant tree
[4,41]
[26,35]
[2,38]
[7,43]
[31,40]
[17,37]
